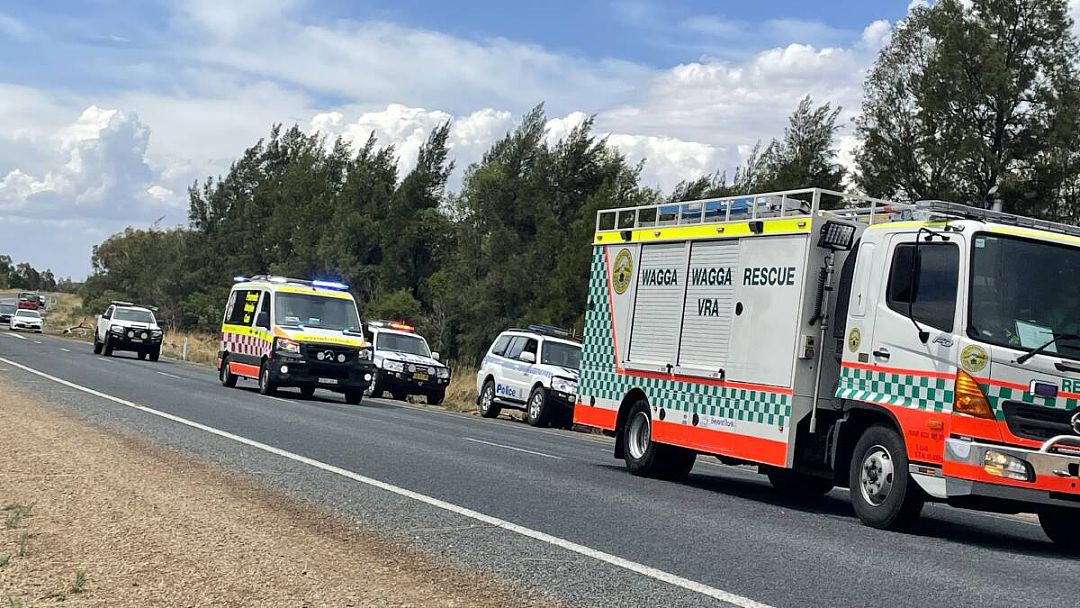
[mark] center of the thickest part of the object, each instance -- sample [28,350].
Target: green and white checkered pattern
[903,390]
[998,395]
[598,377]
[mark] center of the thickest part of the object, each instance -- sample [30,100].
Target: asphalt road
[618,540]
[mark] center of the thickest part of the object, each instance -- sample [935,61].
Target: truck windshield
[561,354]
[134,316]
[1024,293]
[321,312]
[399,343]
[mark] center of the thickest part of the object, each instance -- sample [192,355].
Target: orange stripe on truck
[589,415]
[243,369]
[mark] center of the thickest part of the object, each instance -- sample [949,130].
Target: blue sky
[110,109]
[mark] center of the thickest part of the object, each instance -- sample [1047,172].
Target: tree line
[24,276]
[978,105]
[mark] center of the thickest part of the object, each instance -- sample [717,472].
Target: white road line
[65,350]
[16,336]
[37,341]
[169,375]
[510,447]
[614,560]
[279,399]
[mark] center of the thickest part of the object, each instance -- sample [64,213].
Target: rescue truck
[910,352]
[291,332]
[405,365]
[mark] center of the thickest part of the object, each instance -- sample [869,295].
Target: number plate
[136,339]
[327,381]
[420,376]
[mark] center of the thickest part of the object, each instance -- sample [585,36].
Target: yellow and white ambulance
[910,352]
[285,332]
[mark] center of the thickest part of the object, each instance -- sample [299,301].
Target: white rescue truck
[909,352]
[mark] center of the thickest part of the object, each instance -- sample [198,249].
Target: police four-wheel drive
[405,364]
[125,326]
[535,369]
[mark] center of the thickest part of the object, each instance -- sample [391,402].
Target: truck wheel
[106,348]
[436,397]
[1059,523]
[266,386]
[308,391]
[645,457]
[97,345]
[354,397]
[155,354]
[488,407]
[228,379]
[797,485]
[374,390]
[536,414]
[142,355]
[882,491]
[399,395]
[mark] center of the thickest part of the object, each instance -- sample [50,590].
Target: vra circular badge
[974,358]
[623,270]
[854,339]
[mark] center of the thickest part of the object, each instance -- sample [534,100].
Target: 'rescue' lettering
[1069,385]
[710,276]
[661,277]
[774,275]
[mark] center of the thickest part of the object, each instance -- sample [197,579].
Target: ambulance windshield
[1023,294]
[321,312]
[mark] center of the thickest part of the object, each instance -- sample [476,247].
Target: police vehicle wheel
[1060,525]
[97,345]
[307,392]
[488,407]
[106,349]
[228,379]
[797,485]
[536,413]
[142,355]
[354,397]
[436,397]
[373,389]
[882,491]
[155,354]
[399,395]
[645,457]
[266,386]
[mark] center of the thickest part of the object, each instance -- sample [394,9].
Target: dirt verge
[93,518]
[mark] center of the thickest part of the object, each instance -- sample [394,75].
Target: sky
[111,109]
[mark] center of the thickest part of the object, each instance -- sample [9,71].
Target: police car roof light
[239,279]
[401,326]
[550,330]
[330,285]
[121,303]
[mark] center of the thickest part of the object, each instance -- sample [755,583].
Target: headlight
[116,329]
[444,372]
[1009,467]
[564,385]
[365,354]
[156,333]
[288,346]
[393,366]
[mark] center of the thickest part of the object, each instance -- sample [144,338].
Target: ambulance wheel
[307,391]
[882,491]
[536,414]
[266,386]
[1060,525]
[646,458]
[155,354]
[97,345]
[488,407]
[228,379]
[354,397]
[142,355]
[797,485]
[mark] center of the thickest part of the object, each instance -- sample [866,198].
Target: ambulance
[910,352]
[285,332]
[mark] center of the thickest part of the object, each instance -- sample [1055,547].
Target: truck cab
[405,364]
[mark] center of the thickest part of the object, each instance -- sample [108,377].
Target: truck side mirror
[435,355]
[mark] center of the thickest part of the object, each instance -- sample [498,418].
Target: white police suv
[534,369]
[404,363]
[125,326]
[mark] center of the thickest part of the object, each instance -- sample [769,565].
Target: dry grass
[461,393]
[201,348]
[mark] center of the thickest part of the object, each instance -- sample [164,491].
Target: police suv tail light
[1006,466]
[968,397]
[287,346]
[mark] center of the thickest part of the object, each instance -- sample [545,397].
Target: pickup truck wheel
[882,491]
[536,413]
[155,354]
[797,485]
[142,355]
[97,345]
[266,386]
[399,395]
[374,390]
[354,397]
[106,348]
[646,458]
[307,392]
[1060,525]
[488,407]
[228,379]
[436,397]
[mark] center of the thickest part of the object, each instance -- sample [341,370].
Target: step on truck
[910,352]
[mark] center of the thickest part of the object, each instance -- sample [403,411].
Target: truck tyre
[228,379]
[374,390]
[354,397]
[537,412]
[1059,524]
[266,386]
[307,391]
[142,355]
[97,345]
[646,458]
[399,395]
[106,348]
[155,353]
[488,407]
[797,485]
[436,397]
[882,491]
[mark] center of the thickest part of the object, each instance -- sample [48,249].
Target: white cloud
[12,27]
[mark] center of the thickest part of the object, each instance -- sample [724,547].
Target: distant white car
[26,319]
[534,369]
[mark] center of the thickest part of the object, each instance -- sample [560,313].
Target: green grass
[16,513]
[24,541]
[14,602]
[4,559]
[80,582]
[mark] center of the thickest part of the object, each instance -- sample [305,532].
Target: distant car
[29,300]
[405,364]
[26,319]
[7,310]
[125,326]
